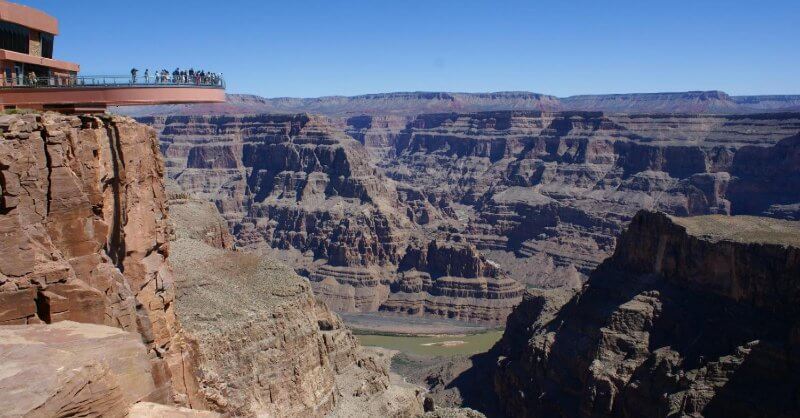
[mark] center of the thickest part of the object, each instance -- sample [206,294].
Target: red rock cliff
[83,225]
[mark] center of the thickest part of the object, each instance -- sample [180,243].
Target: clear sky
[338,47]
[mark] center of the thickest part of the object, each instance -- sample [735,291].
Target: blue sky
[315,48]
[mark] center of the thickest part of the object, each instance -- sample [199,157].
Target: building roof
[28,17]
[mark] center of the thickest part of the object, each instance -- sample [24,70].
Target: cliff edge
[690,316]
[84,239]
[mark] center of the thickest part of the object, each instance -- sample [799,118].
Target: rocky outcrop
[265,345]
[72,369]
[77,369]
[629,343]
[82,215]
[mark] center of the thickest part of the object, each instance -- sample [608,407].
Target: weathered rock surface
[766,180]
[454,281]
[83,221]
[690,317]
[72,369]
[199,220]
[265,345]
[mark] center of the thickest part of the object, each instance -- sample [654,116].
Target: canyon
[104,311]
[194,267]
[296,188]
[265,345]
[453,214]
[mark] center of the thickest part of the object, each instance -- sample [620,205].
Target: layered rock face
[299,189]
[265,346]
[82,215]
[454,281]
[766,180]
[690,316]
[545,194]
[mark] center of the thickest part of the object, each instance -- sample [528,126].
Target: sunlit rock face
[83,219]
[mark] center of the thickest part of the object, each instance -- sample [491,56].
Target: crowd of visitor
[178,77]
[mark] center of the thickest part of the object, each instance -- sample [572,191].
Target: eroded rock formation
[82,215]
[545,194]
[690,317]
[72,369]
[265,345]
[299,189]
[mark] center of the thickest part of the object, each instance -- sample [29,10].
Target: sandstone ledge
[75,369]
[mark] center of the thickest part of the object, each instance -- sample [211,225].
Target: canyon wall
[84,239]
[690,316]
[545,194]
[265,345]
[297,188]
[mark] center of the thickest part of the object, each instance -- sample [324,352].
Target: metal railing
[212,81]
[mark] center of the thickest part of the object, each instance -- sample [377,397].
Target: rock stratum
[406,217]
[690,317]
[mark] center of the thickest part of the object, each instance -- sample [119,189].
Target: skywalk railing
[212,81]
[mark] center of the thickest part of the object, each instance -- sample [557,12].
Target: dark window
[14,37]
[47,45]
